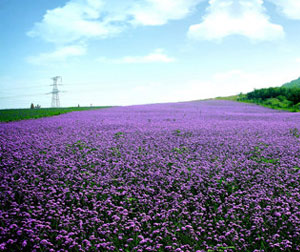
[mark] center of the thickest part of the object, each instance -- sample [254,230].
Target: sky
[116,52]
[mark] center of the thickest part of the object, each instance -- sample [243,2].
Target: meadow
[197,176]
[8,115]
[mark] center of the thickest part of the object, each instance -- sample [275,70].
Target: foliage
[8,115]
[274,97]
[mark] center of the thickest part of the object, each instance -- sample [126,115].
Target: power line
[16,96]
[55,100]
[65,84]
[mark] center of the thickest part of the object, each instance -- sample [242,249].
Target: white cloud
[60,54]
[159,12]
[240,17]
[220,84]
[86,19]
[157,56]
[228,83]
[289,8]
[77,20]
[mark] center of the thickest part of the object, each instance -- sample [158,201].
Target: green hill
[292,84]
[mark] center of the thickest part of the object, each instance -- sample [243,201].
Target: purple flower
[24,243]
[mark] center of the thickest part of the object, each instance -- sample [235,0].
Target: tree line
[275,97]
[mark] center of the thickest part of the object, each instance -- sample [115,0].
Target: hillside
[292,84]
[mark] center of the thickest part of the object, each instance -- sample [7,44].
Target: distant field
[8,115]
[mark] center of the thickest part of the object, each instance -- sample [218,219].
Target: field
[196,176]
[8,115]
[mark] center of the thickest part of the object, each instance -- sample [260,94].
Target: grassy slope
[8,115]
[228,98]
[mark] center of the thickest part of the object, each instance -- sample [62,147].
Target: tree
[32,106]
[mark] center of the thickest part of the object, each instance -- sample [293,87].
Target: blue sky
[115,52]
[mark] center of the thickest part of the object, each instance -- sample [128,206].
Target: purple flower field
[196,176]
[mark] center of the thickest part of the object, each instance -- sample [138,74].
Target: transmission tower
[55,103]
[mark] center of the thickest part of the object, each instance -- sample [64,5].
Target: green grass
[228,98]
[9,115]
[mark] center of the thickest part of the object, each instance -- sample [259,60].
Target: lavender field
[197,176]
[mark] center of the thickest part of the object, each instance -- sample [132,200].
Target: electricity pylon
[55,103]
